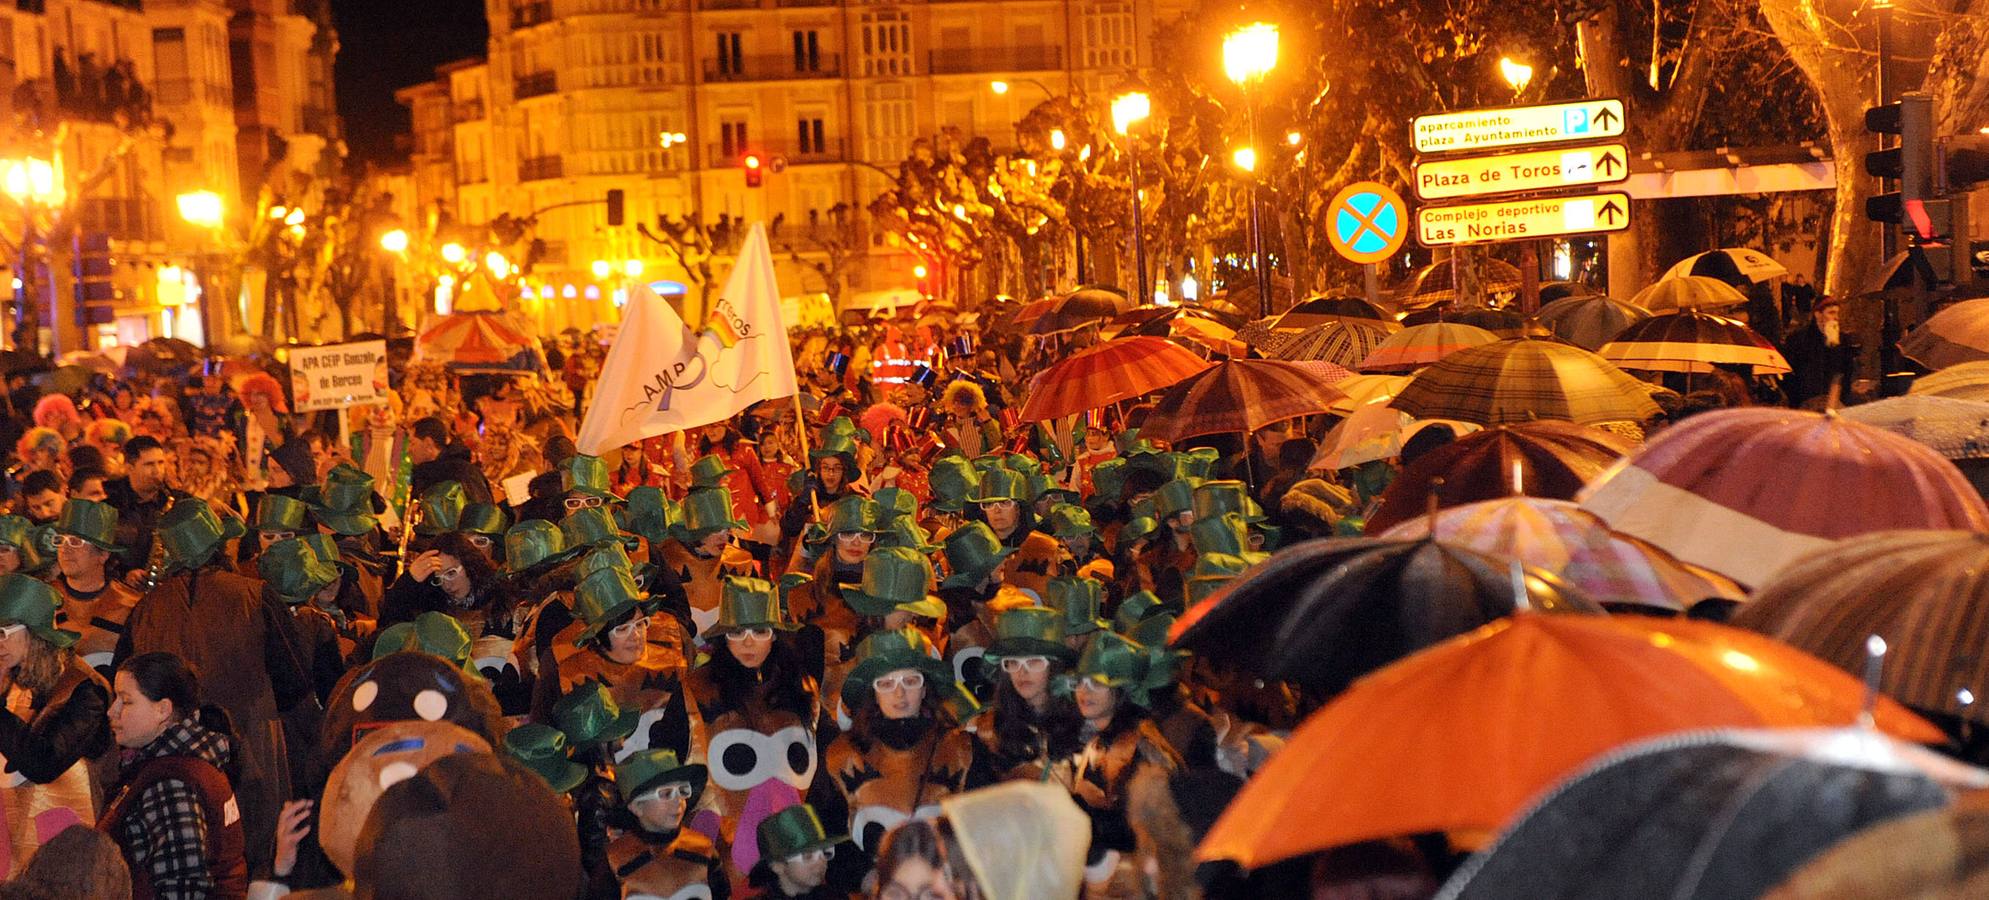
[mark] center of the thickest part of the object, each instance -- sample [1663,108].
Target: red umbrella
[1238,397]
[1116,370]
[1537,459]
[1417,346]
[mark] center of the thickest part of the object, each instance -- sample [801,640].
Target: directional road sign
[1518,220]
[1533,170]
[1367,222]
[1519,126]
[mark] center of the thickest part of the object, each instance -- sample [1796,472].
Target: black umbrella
[1319,310]
[1323,613]
[1723,814]
[162,356]
[1081,307]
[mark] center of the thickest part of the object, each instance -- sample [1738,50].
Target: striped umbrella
[1692,341]
[1437,283]
[1688,292]
[1925,592]
[1744,492]
[1115,370]
[1962,381]
[1020,318]
[1523,380]
[1238,396]
[1419,345]
[1957,334]
[1319,310]
[1560,537]
[1589,321]
[1956,429]
[1364,390]
[478,342]
[1343,341]
[1737,266]
[1537,459]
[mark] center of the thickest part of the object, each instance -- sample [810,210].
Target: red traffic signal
[751,163]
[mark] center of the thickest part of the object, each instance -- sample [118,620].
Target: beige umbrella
[1689,292]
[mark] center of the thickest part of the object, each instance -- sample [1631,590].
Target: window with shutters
[807,51]
[808,136]
[731,55]
[732,139]
[887,44]
[888,121]
[1108,35]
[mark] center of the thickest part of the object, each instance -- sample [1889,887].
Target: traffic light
[1964,164]
[95,291]
[1910,162]
[615,207]
[751,163]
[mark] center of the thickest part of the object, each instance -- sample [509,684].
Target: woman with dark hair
[450,575]
[174,810]
[1029,730]
[52,718]
[922,860]
[1120,740]
[832,473]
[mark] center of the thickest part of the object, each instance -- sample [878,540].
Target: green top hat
[1137,609]
[1020,462]
[1080,600]
[841,426]
[591,526]
[90,520]
[888,651]
[707,510]
[275,512]
[836,444]
[1224,533]
[1032,631]
[433,633]
[894,578]
[1213,498]
[325,547]
[1068,520]
[1137,527]
[1108,480]
[1174,497]
[952,480]
[482,518]
[26,600]
[589,715]
[294,572]
[23,536]
[652,514]
[1213,570]
[788,582]
[709,471]
[1116,662]
[1129,442]
[747,603]
[542,748]
[852,514]
[345,504]
[1151,632]
[192,534]
[532,542]
[648,770]
[903,532]
[604,598]
[972,554]
[988,462]
[1001,484]
[441,508]
[1198,463]
[894,503]
[606,556]
[585,474]
[792,832]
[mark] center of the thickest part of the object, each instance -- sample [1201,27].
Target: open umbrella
[1560,537]
[1925,592]
[1737,266]
[1688,292]
[163,356]
[1461,736]
[1022,318]
[1956,429]
[1341,341]
[1320,309]
[1419,345]
[1081,307]
[1692,341]
[1363,390]
[1744,492]
[1376,431]
[1237,397]
[479,342]
[1523,380]
[1504,322]
[1589,321]
[1158,320]
[1552,460]
[1551,291]
[1438,283]
[1957,334]
[1712,814]
[1962,381]
[1941,854]
[1118,369]
[1323,613]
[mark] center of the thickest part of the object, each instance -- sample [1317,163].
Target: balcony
[181,91]
[831,151]
[466,110]
[774,67]
[539,168]
[995,59]
[536,85]
[526,15]
[121,218]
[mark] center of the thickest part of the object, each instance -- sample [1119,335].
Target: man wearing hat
[278,517]
[1169,557]
[93,604]
[1003,502]
[294,575]
[219,622]
[1071,525]
[795,851]
[657,856]
[951,482]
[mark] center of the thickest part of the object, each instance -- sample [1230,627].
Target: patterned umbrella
[1115,370]
[1538,459]
[1522,380]
[1437,283]
[1259,333]
[1558,536]
[1157,320]
[1688,292]
[1957,334]
[1081,307]
[1589,321]
[1737,266]
[1744,492]
[1342,341]
[1319,310]
[1238,396]
[1925,592]
[1956,429]
[1962,381]
[478,342]
[1419,345]
[1020,318]
[1375,431]
[1363,390]
[1692,341]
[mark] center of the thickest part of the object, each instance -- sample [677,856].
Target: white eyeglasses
[1093,683]
[582,502]
[275,536]
[819,854]
[761,633]
[449,574]
[676,790]
[1025,663]
[7,631]
[71,541]
[910,681]
[857,537]
[629,627]
[480,541]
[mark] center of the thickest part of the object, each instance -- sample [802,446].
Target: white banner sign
[1518,126]
[337,375]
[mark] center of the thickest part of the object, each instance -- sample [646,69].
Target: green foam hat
[603,598]
[1108,480]
[606,556]
[483,518]
[588,715]
[972,554]
[592,526]
[903,532]
[192,534]
[792,832]
[441,508]
[652,514]
[1198,463]
[1214,498]
[1136,528]
[275,512]
[1137,609]
[90,520]
[853,513]
[647,770]
[1175,497]
[24,537]
[345,503]
[1213,570]
[26,600]
[836,444]
[1032,631]
[1081,601]
[1068,520]
[952,480]
[747,603]
[294,572]
[585,474]
[1223,533]
[326,547]
[1116,662]
[894,578]
[707,510]
[709,471]
[884,652]
[1001,484]
[894,503]
[534,542]
[434,633]
[543,749]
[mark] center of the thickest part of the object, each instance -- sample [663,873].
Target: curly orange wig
[964,388]
[262,385]
[40,437]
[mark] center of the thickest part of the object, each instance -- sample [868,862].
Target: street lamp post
[1130,109]
[33,184]
[203,210]
[1248,54]
[1518,75]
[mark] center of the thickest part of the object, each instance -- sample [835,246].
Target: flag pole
[801,440]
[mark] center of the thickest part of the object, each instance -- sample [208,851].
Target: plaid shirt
[165,834]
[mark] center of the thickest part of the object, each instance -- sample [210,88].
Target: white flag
[661,377]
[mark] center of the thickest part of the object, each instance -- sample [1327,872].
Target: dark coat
[1813,365]
[455,465]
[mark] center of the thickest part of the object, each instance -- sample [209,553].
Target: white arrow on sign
[1518,220]
[1533,170]
[1519,126]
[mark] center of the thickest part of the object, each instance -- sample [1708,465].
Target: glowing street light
[394,241]
[1250,53]
[276,213]
[497,265]
[602,269]
[454,253]
[1057,139]
[31,180]
[632,268]
[199,208]
[1129,109]
[999,87]
[919,271]
[1245,158]
[1516,73]
[1294,138]
[295,218]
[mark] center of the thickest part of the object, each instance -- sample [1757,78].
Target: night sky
[385,45]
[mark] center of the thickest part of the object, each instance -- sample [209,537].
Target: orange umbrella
[1118,369]
[1461,736]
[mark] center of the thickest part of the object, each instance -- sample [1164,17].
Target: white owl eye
[394,773]
[364,695]
[431,705]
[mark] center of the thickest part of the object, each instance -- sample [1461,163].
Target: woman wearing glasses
[851,528]
[449,576]
[656,855]
[1002,500]
[1031,725]
[795,852]
[1113,679]
[52,719]
[93,604]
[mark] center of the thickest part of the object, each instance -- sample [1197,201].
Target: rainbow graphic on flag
[725,326]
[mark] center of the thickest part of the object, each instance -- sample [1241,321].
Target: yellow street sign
[1519,220]
[1534,170]
[1519,126]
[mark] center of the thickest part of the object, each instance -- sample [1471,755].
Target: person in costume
[952,481]
[1001,500]
[849,532]
[1119,740]
[277,518]
[595,726]
[974,557]
[1170,557]
[1081,602]
[585,480]
[17,546]
[293,575]
[617,641]
[832,472]
[656,855]
[1084,553]
[94,604]
[344,506]
[340,603]
[52,725]
[895,592]
[969,426]
[448,575]
[703,552]
[1030,729]
[795,852]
